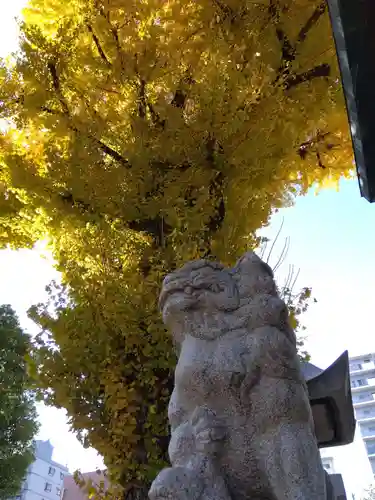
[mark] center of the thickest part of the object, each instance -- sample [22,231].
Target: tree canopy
[142,134]
[18,424]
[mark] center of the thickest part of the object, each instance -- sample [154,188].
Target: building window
[58,491]
[328,465]
[61,476]
[51,471]
[48,487]
[361,382]
[363,396]
[358,398]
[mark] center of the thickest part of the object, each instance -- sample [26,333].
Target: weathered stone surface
[240,417]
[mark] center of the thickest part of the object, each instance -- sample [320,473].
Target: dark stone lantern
[332,408]
[331,402]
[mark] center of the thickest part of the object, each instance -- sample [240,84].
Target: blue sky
[332,242]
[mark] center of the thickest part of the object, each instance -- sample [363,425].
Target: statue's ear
[254,277]
[250,263]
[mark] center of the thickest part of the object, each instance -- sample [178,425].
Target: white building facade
[352,463]
[45,478]
[362,376]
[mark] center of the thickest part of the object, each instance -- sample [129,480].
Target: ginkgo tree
[142,134]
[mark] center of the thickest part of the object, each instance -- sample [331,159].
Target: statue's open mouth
[178,298]
[177,301]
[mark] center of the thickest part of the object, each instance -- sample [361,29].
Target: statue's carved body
[239,414]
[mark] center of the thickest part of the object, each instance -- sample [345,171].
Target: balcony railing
[368,387]
[364,403]
[368,438]
[364,420]
[363,371]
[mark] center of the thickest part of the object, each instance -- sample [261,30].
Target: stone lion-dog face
[196,293]
[206,299]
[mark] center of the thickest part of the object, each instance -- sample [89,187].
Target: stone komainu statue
[240,416]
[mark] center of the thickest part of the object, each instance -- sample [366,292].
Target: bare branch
[312,20]
[274,241]
[293,284]
[320,71]
[283,255]
[285,74]
[287,50]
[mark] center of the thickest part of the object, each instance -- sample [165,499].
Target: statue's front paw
[209,430]
[177,483]
[209,440]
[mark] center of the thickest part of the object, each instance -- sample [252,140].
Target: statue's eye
[215,287]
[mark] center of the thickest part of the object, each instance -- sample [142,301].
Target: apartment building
[351,463]
[45,478]
[362,376]
[73,492]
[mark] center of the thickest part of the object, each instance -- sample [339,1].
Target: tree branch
[113,30]
[109,151]
[179,99]
[288,51]
[312,20]
[316,145]
[180,96]
[229,14]
[285,74]
[216,191]
[115,155]
[56,85]
[216,188]
[155,117]
[98,46]
[68,198]
[322,70]
[142,105]
[155,227]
